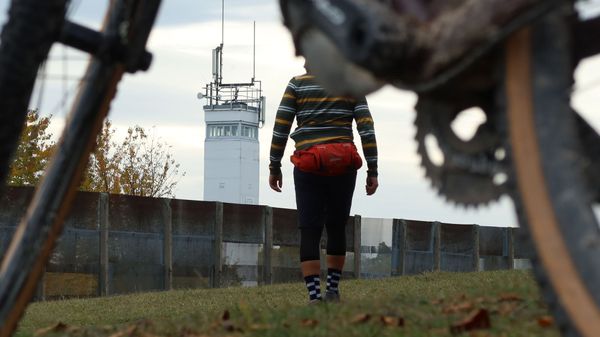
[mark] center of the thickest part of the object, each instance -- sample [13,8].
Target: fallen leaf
[58,327]
[307,322]
[438,332]
[464,306]
[510,297]
[479,334]
[146,334]
[478,319]
[187,332]
[360,318]
[392,321]
[545,321]
[127,332]
[507,308]
[480,300]
[437,301]
[230,327]
[257,326]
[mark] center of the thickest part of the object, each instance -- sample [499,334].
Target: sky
[164,100]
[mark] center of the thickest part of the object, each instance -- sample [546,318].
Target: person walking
[326,162]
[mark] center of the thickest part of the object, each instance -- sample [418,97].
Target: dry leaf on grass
[307,322]
[480,300]
[258,326]
[507,308]
[58,327]
[454,308]
[479,334]
[360,318]
[510,297]
[230,327]
[545,321]
[146,334]
[127,332]
[437,301]
[392,321]
[187,332]
[478,319]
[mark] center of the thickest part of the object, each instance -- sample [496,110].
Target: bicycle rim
[552,190]
[24,47]
[36,235]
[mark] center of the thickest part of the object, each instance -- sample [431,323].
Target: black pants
[323,201]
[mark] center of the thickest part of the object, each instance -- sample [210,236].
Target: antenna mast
[254,53]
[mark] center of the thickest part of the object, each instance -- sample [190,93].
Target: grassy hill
[423,305]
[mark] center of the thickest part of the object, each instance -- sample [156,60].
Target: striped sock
[333,280]
[313,284]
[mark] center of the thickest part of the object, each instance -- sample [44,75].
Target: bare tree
[103,170]
[147,166]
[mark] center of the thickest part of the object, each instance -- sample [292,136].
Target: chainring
[472,172]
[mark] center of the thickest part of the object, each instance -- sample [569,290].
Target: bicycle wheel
[116,51]
[555,160]
[24,47]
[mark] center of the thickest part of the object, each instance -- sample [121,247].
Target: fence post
[437,245]
[475,247]
[167,215]
[268,245]
[357,240]
[103,223]
[398,246]
[510,236]
[218,245]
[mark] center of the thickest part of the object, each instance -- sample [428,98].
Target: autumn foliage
[140,165]
[34,151]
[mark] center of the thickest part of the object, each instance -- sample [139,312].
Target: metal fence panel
[456,247]
[285,227]
[492,241]
[419,236]
[192,261]
[135,214]
[417,262]
[243,223]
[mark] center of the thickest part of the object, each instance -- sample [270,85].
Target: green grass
[428,303]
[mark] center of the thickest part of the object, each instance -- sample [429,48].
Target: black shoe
[332,297]
[316,301]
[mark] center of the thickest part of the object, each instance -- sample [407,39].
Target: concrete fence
[115,244]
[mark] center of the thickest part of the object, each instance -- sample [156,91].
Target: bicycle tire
[553,201]
[24,47]
[36,235]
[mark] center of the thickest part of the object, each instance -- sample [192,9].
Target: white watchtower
[233,114]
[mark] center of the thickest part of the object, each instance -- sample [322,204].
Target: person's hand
[276,182]
[372,184]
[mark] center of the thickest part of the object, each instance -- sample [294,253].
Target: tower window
[249,131]
[222,130]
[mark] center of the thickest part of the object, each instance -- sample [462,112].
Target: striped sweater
[320,118]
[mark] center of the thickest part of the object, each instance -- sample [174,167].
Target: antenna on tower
[217,53]
[235,96]
[254,53]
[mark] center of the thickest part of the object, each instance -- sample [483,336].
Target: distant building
[233,115]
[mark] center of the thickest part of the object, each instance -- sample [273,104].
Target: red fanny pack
[328,159]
